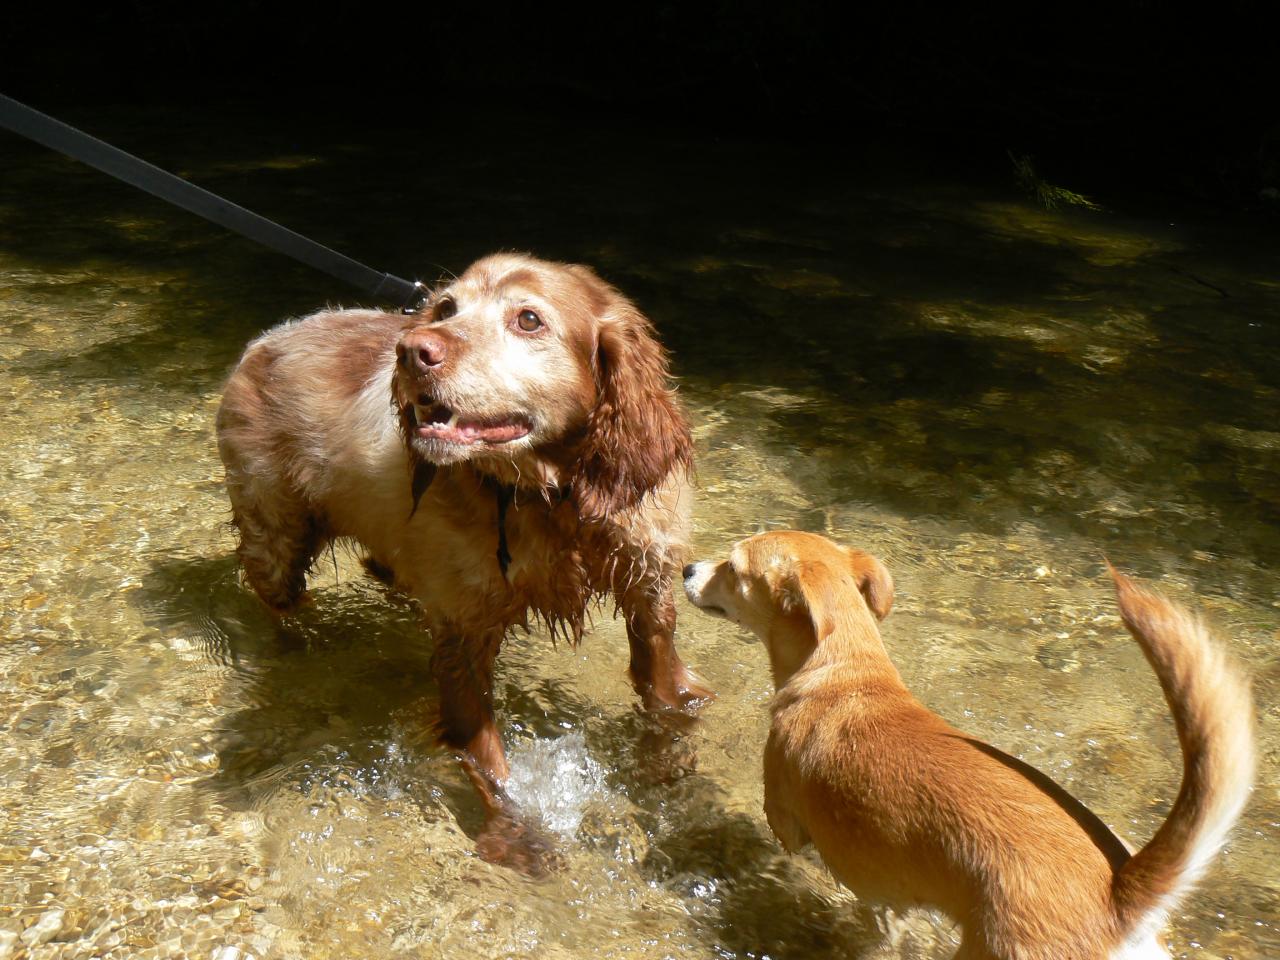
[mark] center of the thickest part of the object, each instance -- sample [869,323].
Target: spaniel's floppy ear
[636,435]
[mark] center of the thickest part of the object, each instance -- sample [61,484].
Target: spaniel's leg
[657,672]
[464,669]
[278,540]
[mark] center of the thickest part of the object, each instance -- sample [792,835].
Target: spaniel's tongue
[441,423]
[500,432]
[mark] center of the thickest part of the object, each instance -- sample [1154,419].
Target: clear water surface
[991,397]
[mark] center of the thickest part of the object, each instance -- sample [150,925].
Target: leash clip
[418,300]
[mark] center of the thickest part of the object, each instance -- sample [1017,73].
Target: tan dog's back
[905,808]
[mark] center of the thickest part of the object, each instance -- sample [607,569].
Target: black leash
[56,135]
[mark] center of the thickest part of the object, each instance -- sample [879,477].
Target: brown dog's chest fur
[558,563]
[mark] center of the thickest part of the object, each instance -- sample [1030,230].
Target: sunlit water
[990,397]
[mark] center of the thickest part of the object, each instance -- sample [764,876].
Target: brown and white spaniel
[512,453]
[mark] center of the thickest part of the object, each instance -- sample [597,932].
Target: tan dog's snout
[700,588]
[696,576]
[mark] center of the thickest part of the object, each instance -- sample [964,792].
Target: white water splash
[553,780]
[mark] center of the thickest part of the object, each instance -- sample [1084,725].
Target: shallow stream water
[989,396]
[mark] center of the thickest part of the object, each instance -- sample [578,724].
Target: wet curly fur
[322,433]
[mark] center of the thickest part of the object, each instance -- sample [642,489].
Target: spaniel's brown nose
[422,351]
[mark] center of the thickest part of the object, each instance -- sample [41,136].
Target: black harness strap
[56,135]
[504,555]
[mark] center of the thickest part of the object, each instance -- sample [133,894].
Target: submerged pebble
[48,926]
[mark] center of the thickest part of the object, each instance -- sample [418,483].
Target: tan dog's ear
[812,589]
[637,435]
[873,581]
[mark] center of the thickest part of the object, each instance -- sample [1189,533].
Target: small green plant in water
[1046,194]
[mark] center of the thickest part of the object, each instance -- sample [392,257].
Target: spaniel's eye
[528,321]
[445,309]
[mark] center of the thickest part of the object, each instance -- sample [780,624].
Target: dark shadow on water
[344,689]
[331,681]
[750,897]
[562,197]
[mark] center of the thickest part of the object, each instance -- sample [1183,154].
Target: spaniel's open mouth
[438,422]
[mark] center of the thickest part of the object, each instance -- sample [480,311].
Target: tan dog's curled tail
[1212,710]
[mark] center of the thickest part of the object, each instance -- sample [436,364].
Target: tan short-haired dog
[907,810]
